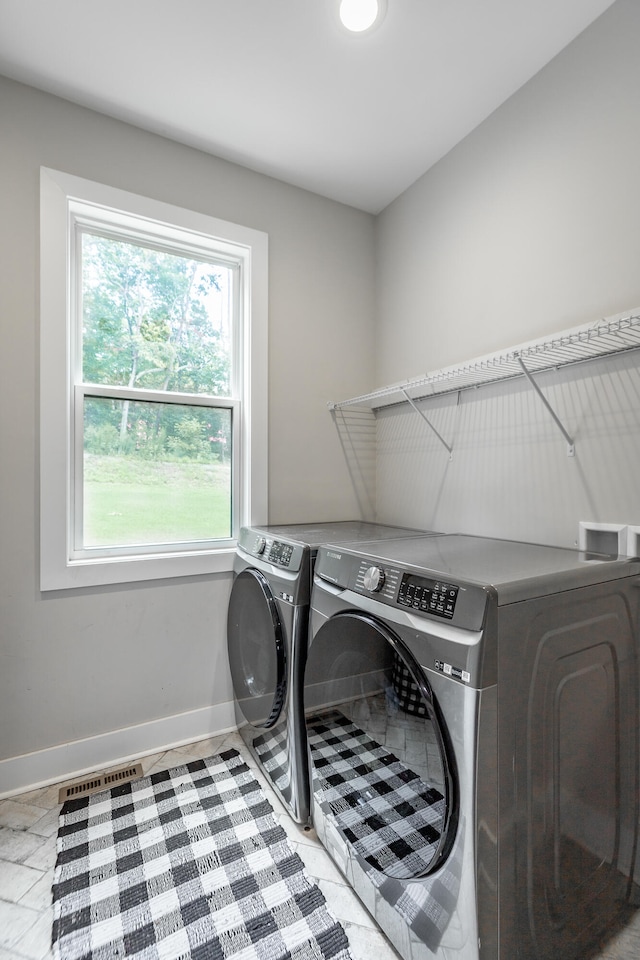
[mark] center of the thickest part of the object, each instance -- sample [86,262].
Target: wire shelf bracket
[426,419]
[571,448]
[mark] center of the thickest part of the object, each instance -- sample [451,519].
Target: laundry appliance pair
[267,630]
[471,711]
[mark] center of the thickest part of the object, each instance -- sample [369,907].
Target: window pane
[154,320]
[155,473]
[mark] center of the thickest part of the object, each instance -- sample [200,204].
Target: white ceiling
[276,86]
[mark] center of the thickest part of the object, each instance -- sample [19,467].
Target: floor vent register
[102,781]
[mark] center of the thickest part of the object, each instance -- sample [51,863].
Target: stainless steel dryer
[472,715]
[267,628]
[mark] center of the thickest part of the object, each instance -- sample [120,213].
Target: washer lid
[338,531]
[514,570]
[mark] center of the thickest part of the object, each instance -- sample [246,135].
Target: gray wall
[82,663]
[528,227]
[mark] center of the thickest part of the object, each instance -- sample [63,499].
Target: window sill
[92,573]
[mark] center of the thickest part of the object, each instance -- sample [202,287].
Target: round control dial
[373,579]
[261,543]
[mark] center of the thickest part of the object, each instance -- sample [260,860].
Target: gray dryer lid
[514,570]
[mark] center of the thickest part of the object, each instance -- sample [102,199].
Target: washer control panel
[417,592]
[429,596]
[280,553]
[373,579]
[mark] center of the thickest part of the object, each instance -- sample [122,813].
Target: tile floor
[28,829]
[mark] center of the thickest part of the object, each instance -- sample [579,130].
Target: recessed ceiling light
[360,16]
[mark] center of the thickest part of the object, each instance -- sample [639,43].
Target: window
[153,386]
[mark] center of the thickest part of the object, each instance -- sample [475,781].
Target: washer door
[257,654]
[383,771]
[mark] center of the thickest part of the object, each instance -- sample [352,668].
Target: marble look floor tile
[20,816]
[39,896]
[36,943]
[18,845]
[366,942]
[16,880]
[46,797]
[344,904]
[15,922]
[47,826]
[150,761]
[44,857]
[203,748]
[8,954]
[172,758]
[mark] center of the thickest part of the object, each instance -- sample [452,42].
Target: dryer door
[257,654]
[383,771]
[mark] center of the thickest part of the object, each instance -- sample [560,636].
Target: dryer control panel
[431,596]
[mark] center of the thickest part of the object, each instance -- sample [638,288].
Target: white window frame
[63,199]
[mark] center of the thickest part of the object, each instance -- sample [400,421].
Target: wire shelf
[602,338]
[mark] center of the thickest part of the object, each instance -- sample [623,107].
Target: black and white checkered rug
[188,863]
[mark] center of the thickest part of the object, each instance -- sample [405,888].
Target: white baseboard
[69,761]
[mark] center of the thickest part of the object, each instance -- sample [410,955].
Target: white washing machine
[267,628]
[472,717]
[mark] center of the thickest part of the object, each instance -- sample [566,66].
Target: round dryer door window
[256,649]
[383,772]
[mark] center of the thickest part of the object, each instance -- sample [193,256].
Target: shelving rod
[426,419]
[558,422]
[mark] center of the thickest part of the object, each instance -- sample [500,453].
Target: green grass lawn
[131,501]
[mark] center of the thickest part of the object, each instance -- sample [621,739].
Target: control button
[373,579]
[261,543]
